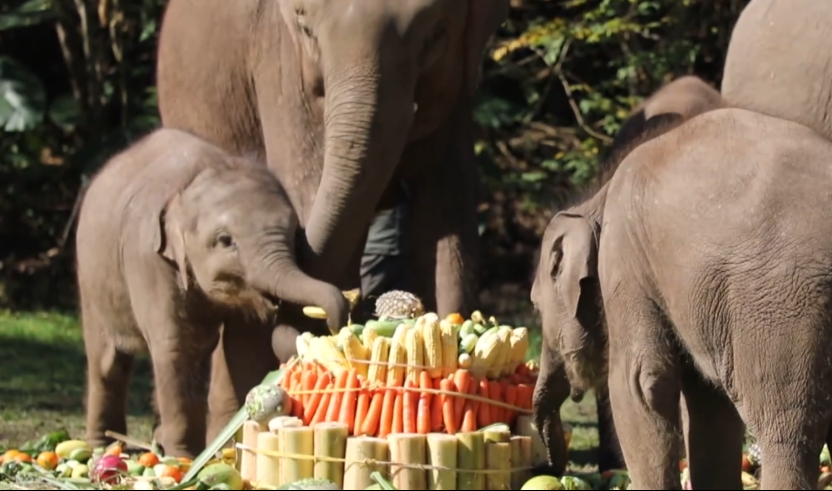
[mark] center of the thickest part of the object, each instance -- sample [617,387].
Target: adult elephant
[341,98]
[779,62]
[674,103]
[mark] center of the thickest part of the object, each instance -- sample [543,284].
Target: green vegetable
[466,329]
[219,473]
[384,328]
[80,470]
[542,482]
[46,443]
[381,481]
[356,329]
[314,484]
[134,468]
[81,454]
[479,329]
[265,402]
[572,482]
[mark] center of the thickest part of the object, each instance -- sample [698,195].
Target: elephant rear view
[173,235]
[779,62]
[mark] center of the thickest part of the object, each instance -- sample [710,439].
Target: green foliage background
[77,84]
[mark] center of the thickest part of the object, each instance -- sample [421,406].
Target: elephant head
[566,293]
[230,232]
[389,72]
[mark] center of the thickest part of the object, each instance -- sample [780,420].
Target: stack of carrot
[346,396]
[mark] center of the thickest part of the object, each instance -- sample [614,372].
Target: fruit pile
[56,458]
[440,357]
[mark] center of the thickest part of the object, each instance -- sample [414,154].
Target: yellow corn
[432,337]
[519,347]
[324,350]
[450,348]
[378,360]
[415,346]
[498,366]
[485,354]
[356,354]
[368,337]
[397,357]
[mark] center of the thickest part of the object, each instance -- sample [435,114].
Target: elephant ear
[574,258]
[484,18]
[170,237]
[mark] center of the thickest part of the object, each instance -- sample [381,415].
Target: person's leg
[382,266]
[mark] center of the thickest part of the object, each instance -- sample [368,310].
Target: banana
[314,312]
[64,449]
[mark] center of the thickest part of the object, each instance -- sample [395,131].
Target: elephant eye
[225,241]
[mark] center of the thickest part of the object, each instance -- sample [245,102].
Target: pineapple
[398,304]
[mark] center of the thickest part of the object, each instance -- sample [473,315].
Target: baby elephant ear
[574,258]
[170,238]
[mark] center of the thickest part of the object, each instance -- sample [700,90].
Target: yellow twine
[373,462]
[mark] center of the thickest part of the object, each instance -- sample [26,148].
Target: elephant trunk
[284,280]
[551,391]
[367,119]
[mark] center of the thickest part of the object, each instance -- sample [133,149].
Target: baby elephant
[173,232]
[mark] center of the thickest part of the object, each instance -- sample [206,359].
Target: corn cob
[432,337]
[356,354]
[519,346]
[397,357]
[378,360]
[498,366]
[368,337]
[301,346]
[485,355]
[450,349]
[415,346]
[464,361]
[324,350]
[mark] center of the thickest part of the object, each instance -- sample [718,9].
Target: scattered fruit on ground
[173,472]
[107,469]
[542,482]
[148,459]
[48,460]
[220,473]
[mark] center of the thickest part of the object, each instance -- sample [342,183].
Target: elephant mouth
[264,305]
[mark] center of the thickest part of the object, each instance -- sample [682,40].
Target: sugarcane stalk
[498,458]
[470,460]
[361,453]
[268,466]
[526,427]
[296,440]
[248,462]
[410,449]
[442,452]
[330,441]
[521,456]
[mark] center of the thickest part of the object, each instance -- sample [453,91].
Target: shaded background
[77,85]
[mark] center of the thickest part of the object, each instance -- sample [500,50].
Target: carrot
[436,407]
[448,406]
[525,394]
[310,407]
[307,382]
[510,395]
[409,407]
[334,409]
[522,370]
[286,381]
[484,409]
[387,413]
[462,382]
[469,418]
[323,405]
[370,424]
[347,412]
[495,393]
[361,408]
[398,412]
[297,401]
[423,418]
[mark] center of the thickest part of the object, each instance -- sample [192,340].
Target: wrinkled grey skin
[174,234]
[728,305]
[779,61]
[346,96]
[678,101]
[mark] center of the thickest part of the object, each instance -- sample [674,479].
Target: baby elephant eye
[225,241]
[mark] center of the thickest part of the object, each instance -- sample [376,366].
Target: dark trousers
[383,264]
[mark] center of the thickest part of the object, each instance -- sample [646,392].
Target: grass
[42,380]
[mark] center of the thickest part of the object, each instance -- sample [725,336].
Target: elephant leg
[108,377]
[714,435]
[644,388]
[241,361]
[443,220]
[609,450]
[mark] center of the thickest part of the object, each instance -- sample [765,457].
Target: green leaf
[65,112]
[228,432]
[384,483]
[22,97]
[30,13]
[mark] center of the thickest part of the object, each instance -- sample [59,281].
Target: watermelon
[311,484]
